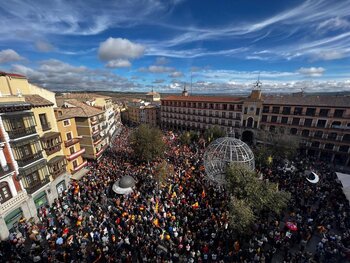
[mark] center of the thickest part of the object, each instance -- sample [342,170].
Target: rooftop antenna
[258,83]
[191,82]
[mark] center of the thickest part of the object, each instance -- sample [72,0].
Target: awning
[78,175]
[345,181]
[56,159]
[49,135]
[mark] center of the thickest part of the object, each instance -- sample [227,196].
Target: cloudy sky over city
[223,46]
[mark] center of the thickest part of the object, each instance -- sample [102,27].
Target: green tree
[214,133]
[250,196]
[147,142]
[188,137]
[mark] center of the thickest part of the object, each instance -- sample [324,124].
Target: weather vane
[258,83]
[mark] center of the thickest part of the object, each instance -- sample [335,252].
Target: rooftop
[14,75]
[307,100]
[204,98]
[38,101]
[83,96]
[85,110]
[68,113]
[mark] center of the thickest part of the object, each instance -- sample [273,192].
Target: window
[75,163]
[293,131]
[324,112]
[43,121]
[295,121]
[298,110]
[71,150]
[318,134]
[266,109]
[344,148]
[321,123]
[69,136]
[305,133]
[308,122]
[329,146]
[338,113]
[257,112]
[274,119]
[66,123]
[336,124]
[346,138]
[5,193]
[315,144]
[264,118]
[332,136]
[276,110]
[286,110]
[245,110]
[310,111]
[284,120]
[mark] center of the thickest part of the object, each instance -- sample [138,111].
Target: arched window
[5,193]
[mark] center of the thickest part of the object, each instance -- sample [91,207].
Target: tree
[250,196]
[147,142]
[162,172]
[214,133]
[189,136]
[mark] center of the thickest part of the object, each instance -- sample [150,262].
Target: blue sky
[131,45]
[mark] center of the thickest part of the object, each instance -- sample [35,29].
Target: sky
[209,46]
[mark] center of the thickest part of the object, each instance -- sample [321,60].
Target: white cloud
[158,81]
[312,72]
[118,63]
[119,48]
[157,69]
[9,55]
[44,46]
[162,61]
[334,23]
[176,74]
[61,76]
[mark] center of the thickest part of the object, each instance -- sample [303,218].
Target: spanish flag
[195,205]
[156,222]
[203,194]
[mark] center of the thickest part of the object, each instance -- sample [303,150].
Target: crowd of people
[182,217]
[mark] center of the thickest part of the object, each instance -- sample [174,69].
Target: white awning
[345,181]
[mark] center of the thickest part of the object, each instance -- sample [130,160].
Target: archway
[250,122]
[248,137]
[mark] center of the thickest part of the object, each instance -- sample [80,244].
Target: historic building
[91,126]
[71,142]
[32,149]
[321,122]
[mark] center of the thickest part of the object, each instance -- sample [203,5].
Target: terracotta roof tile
[37,101]
[204,98]
[308,100]
[86,110]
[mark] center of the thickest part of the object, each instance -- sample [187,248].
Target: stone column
[3,161]
[4,232]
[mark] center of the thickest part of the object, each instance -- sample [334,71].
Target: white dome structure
[224,151]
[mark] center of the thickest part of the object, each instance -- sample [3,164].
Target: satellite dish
[315,180]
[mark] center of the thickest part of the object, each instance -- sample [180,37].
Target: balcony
[53,149]
[104,126]
[21,132]
[75,155]
[76,169]
[71,142]
[36,185]
[46,126]
[25,160]
[103,148]
[94,132]
[3,173]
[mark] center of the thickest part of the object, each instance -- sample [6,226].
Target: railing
[76,169]
[52,149]
[71,142]
[46,126]
[18,199]
[3,172]
[29,159]
[103,148]
[57,173]
[36,185]
[76,154]
[20,132]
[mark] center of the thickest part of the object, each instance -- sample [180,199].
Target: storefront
[41,200]
[12,219]
[61,186]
